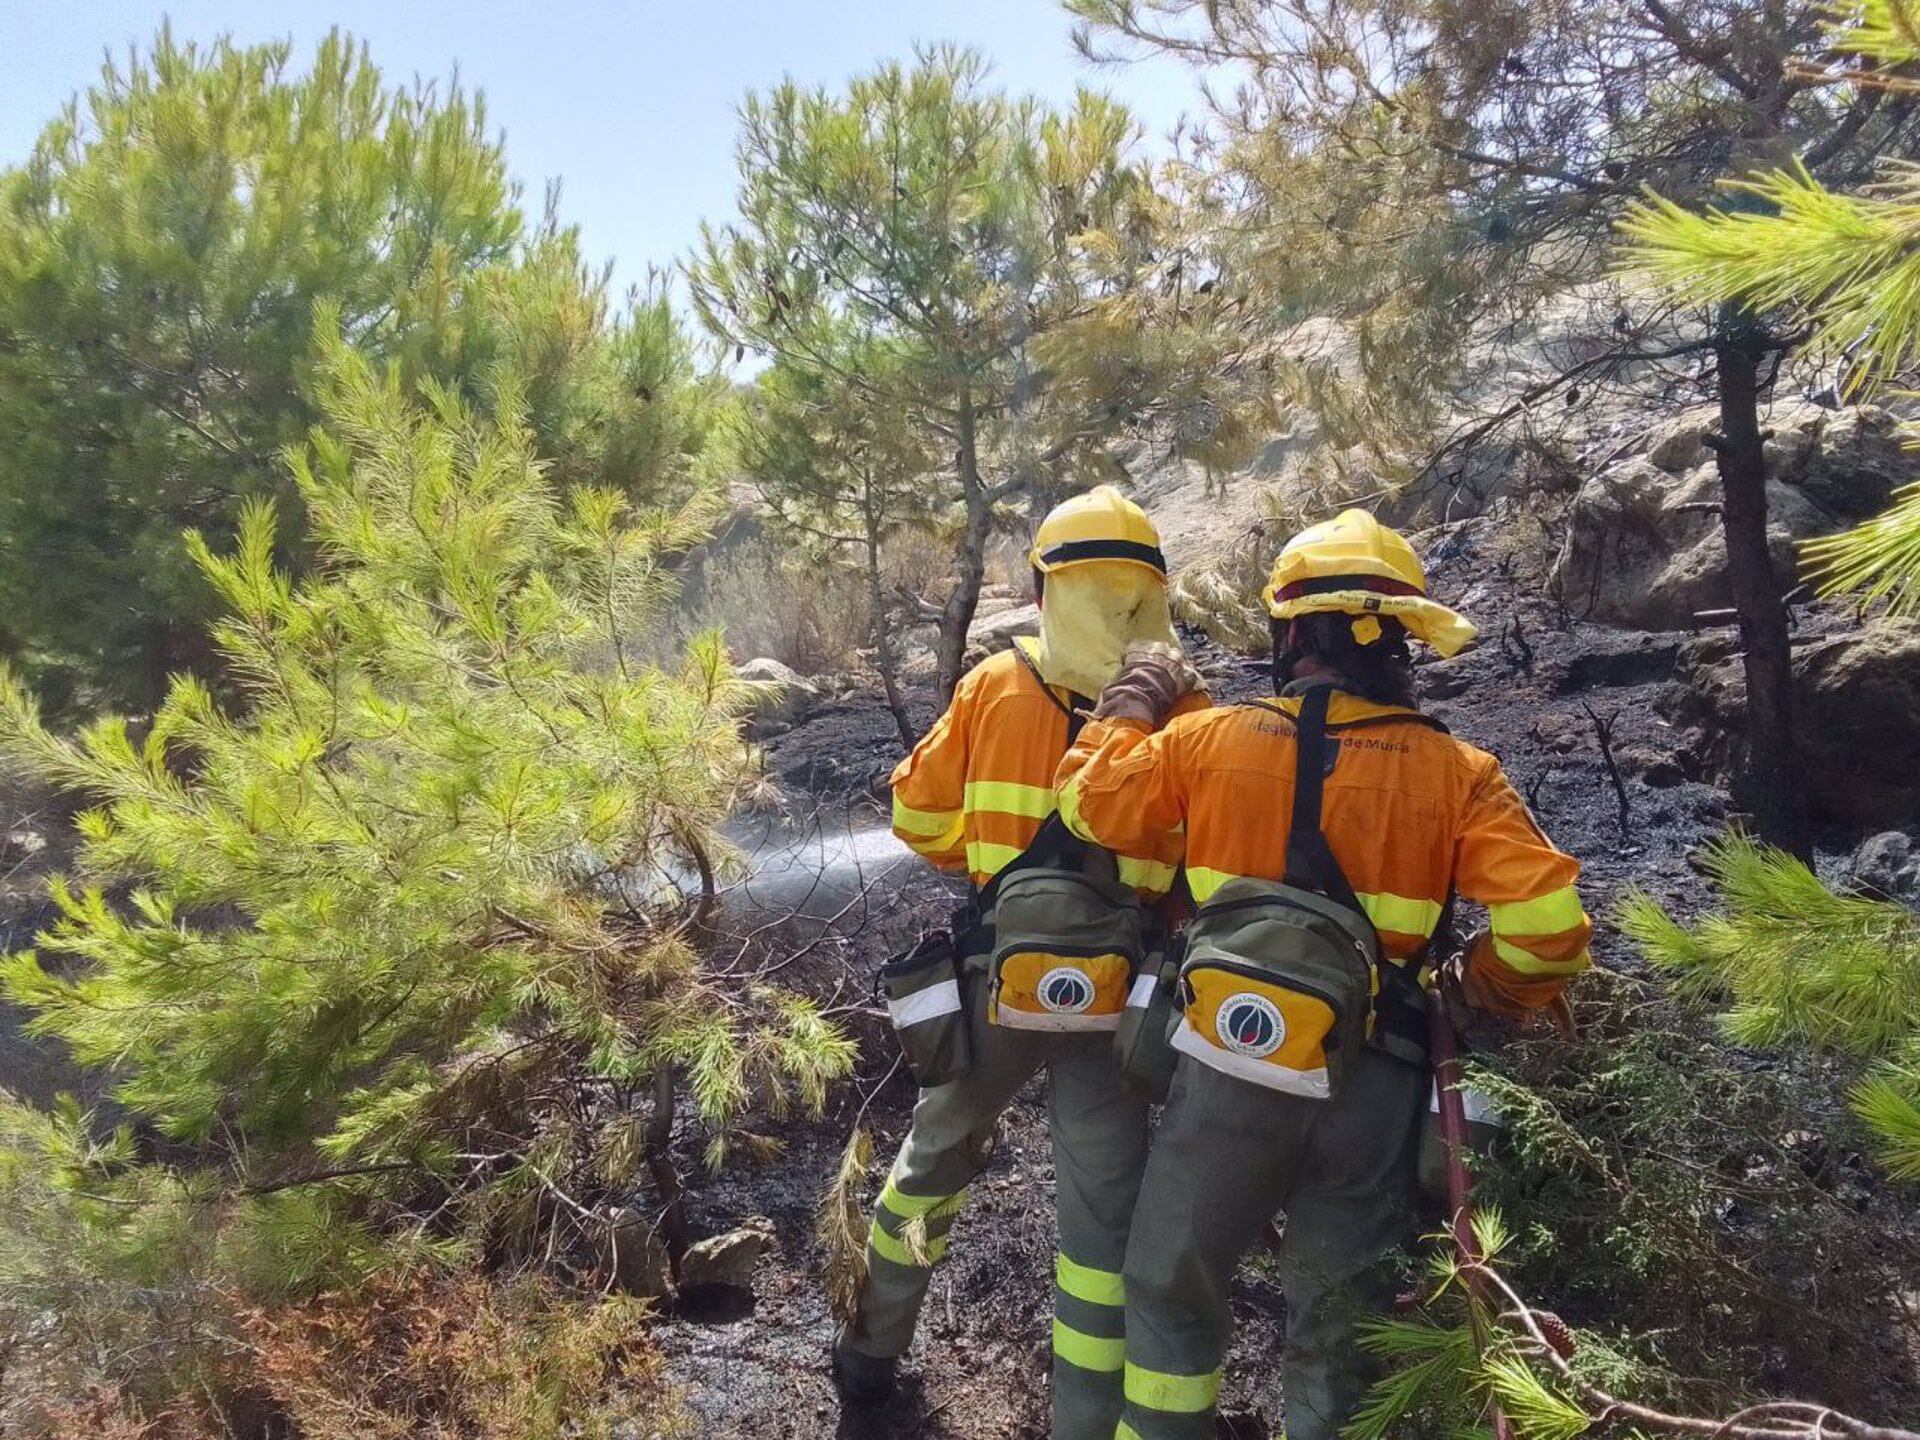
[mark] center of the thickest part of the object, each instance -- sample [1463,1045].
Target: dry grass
[467,1355]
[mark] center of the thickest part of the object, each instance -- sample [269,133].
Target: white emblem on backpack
[1251,1025]
[1065,990]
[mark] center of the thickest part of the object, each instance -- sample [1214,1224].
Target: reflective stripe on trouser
[1226,1157]
[1099,1130]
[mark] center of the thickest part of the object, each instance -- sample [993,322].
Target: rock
[1660,770]
[19,845]
[1443,681]
[1643,660]
[1645,549]
[727,1260]
[1675,444]
[633,1252]
[1857,718]
[998,632]
[1643,546]
[1848,461]
[1858,724]
[781,696]
[1889,865]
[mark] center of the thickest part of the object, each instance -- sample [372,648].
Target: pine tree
[162,252]
[400,948]
[1432,173]
[1018,270]
[1843,264]
[838,475]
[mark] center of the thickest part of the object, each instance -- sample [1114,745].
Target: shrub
[395,962]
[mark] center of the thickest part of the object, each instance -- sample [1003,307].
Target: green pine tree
[1019,270]
[162,252]
[399,950]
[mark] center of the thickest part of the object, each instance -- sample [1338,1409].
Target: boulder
[1677,444]
[1644,548]
[781,697]
[1849,462]
[1858,725]
[632,1252]
[997,632]
[1857,717]
[1888,864]
[727,1261]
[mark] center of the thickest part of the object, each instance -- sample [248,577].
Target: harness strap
[1311,864]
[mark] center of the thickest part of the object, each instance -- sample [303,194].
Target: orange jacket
[972,794]
[1409,811]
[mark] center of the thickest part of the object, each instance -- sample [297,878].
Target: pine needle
[840,1226]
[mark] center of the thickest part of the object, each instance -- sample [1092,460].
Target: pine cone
[1559,1334]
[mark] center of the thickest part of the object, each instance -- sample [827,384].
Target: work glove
[1477,988]
[1153,677]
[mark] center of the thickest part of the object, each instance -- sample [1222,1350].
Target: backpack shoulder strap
[1311,864]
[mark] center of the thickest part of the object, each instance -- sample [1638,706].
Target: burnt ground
[1538,691]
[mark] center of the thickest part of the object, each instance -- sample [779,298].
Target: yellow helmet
[1099,525]
[1354,565]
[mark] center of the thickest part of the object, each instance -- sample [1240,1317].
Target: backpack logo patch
[1065,990]
[1251,1025]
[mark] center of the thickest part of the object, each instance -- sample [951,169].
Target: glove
[1153,677]
[1478,990]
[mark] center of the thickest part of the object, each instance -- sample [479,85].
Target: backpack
[1283,982]
[1067,934]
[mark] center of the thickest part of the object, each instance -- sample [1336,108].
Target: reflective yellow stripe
[1547,914]
[1146,874]
[1400,914]
[1083,1282]
[1033,801]
[1126,1432]
[984,858]
[1527,963]
[927,824]
[896,1249]
[1176,1394]
[908,1206]
[1089,1352]
[1203,882]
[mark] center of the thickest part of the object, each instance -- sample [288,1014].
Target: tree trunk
[883,658]
[1767,781]
[657,1144]
[956,616]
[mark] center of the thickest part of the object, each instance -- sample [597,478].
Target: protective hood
[1089,615]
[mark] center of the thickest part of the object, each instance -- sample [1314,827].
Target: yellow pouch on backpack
[1065,947]
[1259,1029]
[1043,990]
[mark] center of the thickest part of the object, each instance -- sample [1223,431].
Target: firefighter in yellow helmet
[975,797]
[1324,832]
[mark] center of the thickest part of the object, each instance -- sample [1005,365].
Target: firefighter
[1410,816]
[971,798]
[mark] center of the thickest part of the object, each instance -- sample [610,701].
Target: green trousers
[1099,1127]
[1227,1156]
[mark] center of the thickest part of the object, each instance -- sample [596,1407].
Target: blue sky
[631,105]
